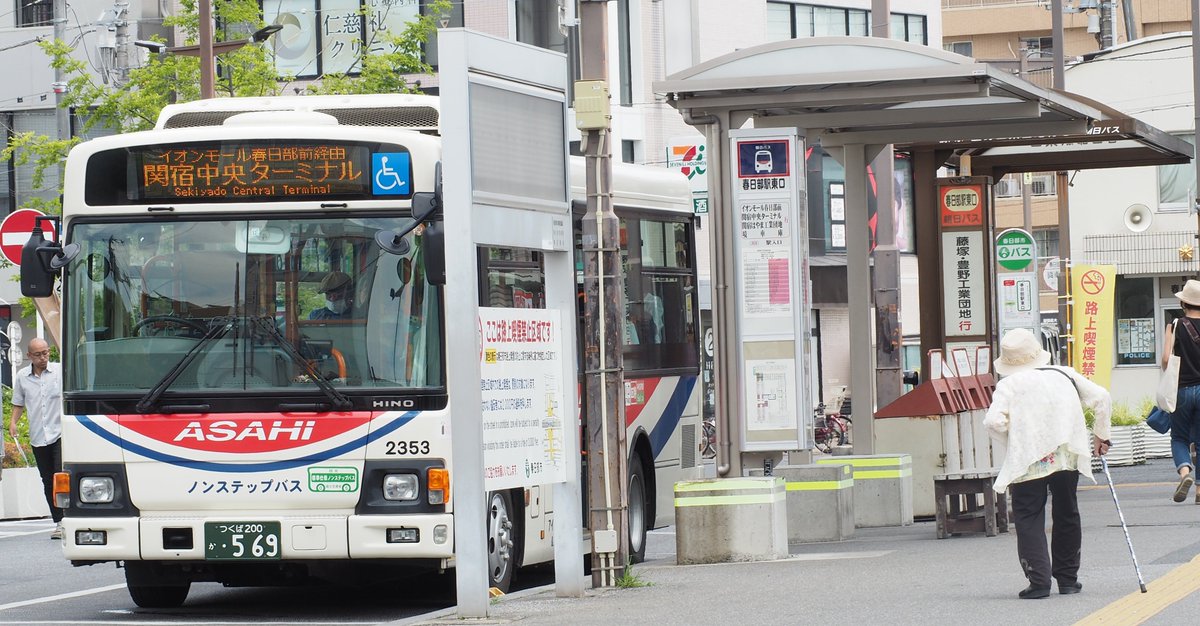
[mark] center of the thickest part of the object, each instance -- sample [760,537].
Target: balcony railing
[967,4]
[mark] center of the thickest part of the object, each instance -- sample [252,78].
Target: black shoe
[1034,593]
[1069,588]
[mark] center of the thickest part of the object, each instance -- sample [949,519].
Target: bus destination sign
[218,171]
[248,170]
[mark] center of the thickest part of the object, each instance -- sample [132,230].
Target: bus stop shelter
[856,96]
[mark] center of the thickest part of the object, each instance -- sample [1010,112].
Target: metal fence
[1169,252]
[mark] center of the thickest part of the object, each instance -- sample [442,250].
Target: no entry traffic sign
[15,230]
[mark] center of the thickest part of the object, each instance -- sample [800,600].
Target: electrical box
[592,105]
[604,541]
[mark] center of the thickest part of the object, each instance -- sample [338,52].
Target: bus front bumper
[426,536]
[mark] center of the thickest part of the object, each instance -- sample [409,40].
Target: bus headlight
[400,487]
[96,489]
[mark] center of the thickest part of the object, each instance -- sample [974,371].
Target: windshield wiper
[267,326]
[220,326]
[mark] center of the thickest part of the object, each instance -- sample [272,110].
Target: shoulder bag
[1168,382]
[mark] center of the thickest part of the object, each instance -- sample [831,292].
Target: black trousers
[49,462]
[1061,561]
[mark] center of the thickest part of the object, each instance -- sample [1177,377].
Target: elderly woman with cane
[1037,413]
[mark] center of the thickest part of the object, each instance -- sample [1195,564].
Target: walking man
[37,392]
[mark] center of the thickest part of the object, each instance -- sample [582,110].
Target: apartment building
[1017,35]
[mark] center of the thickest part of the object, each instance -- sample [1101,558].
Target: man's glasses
[42,353]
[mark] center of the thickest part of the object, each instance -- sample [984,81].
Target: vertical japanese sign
[1092,328]
[687,156]
[771,251]
[1017,303]
[963,291]
[963,220]
[524,407]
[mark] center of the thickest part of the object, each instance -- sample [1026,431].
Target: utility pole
[62,115]
[121,42]
[1064,204]
[604,304]
[1026,201]
[207,70]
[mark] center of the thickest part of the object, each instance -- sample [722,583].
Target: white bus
[254,383]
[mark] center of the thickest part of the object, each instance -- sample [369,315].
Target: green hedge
[12,455]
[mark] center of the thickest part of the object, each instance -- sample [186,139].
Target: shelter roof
[869,90]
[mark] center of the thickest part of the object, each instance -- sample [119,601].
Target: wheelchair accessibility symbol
[390,174]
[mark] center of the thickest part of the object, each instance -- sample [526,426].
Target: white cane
[1129,542]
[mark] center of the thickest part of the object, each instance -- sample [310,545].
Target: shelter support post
[858,273]
[929,261]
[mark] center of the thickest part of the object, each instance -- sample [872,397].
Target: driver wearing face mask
[338,297]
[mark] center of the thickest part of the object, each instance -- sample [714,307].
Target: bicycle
[830,430]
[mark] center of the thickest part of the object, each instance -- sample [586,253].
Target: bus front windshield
[248,305]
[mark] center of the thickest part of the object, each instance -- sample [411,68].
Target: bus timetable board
[249,171]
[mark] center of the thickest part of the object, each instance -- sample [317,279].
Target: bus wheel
[637,510]
[153,596]
[501,556]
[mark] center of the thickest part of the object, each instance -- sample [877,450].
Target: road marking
[1124,485]
[61,596]
[125,622]
[1137,607]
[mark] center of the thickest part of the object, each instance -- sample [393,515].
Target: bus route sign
[1015,249]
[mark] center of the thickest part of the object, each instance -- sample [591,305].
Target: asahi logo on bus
[246,432]
[228,430]
[962,205]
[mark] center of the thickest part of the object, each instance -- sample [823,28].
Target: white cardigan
[1034,412]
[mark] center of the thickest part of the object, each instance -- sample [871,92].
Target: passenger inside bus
[339,297]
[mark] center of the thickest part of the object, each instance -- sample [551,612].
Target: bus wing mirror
[434,243]
[37,281]
[424,205]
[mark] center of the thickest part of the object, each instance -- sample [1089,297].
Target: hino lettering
[393,404]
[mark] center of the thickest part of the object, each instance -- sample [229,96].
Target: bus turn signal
[438,480]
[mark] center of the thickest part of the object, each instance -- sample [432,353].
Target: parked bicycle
[830,429]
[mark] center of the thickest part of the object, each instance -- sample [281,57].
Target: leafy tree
[133,102]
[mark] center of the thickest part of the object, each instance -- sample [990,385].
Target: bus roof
[634,186]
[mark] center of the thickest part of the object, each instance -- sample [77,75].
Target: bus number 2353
[408,447]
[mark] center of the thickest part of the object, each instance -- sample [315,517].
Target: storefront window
[1135,321]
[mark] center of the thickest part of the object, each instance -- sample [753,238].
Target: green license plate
[241,541]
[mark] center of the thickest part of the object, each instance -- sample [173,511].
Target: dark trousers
[49,462]
[1061,561]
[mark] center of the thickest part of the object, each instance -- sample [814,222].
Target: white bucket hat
[1020,350]
[1191,293]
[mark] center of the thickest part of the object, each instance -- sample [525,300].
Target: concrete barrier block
[820,501]
[730,519]
[883,492]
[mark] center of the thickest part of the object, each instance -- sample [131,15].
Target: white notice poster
[770,385]
[766,282]
[962,283]
[524,404]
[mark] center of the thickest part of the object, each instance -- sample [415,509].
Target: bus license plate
[241,541]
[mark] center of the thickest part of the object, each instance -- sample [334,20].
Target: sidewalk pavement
[904,575]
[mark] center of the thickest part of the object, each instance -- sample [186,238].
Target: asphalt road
[39,586]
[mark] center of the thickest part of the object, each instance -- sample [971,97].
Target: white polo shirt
[42,398]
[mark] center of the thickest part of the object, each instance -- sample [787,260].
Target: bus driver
[339,296]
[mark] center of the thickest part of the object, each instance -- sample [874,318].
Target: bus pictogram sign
[15,231]
[1015,249]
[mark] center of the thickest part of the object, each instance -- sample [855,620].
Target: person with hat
[1037,414]
[1185,420]
[338,290]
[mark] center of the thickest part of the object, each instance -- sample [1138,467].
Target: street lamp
[214,48]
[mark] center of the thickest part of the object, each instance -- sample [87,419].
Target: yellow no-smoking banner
[1092,328]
